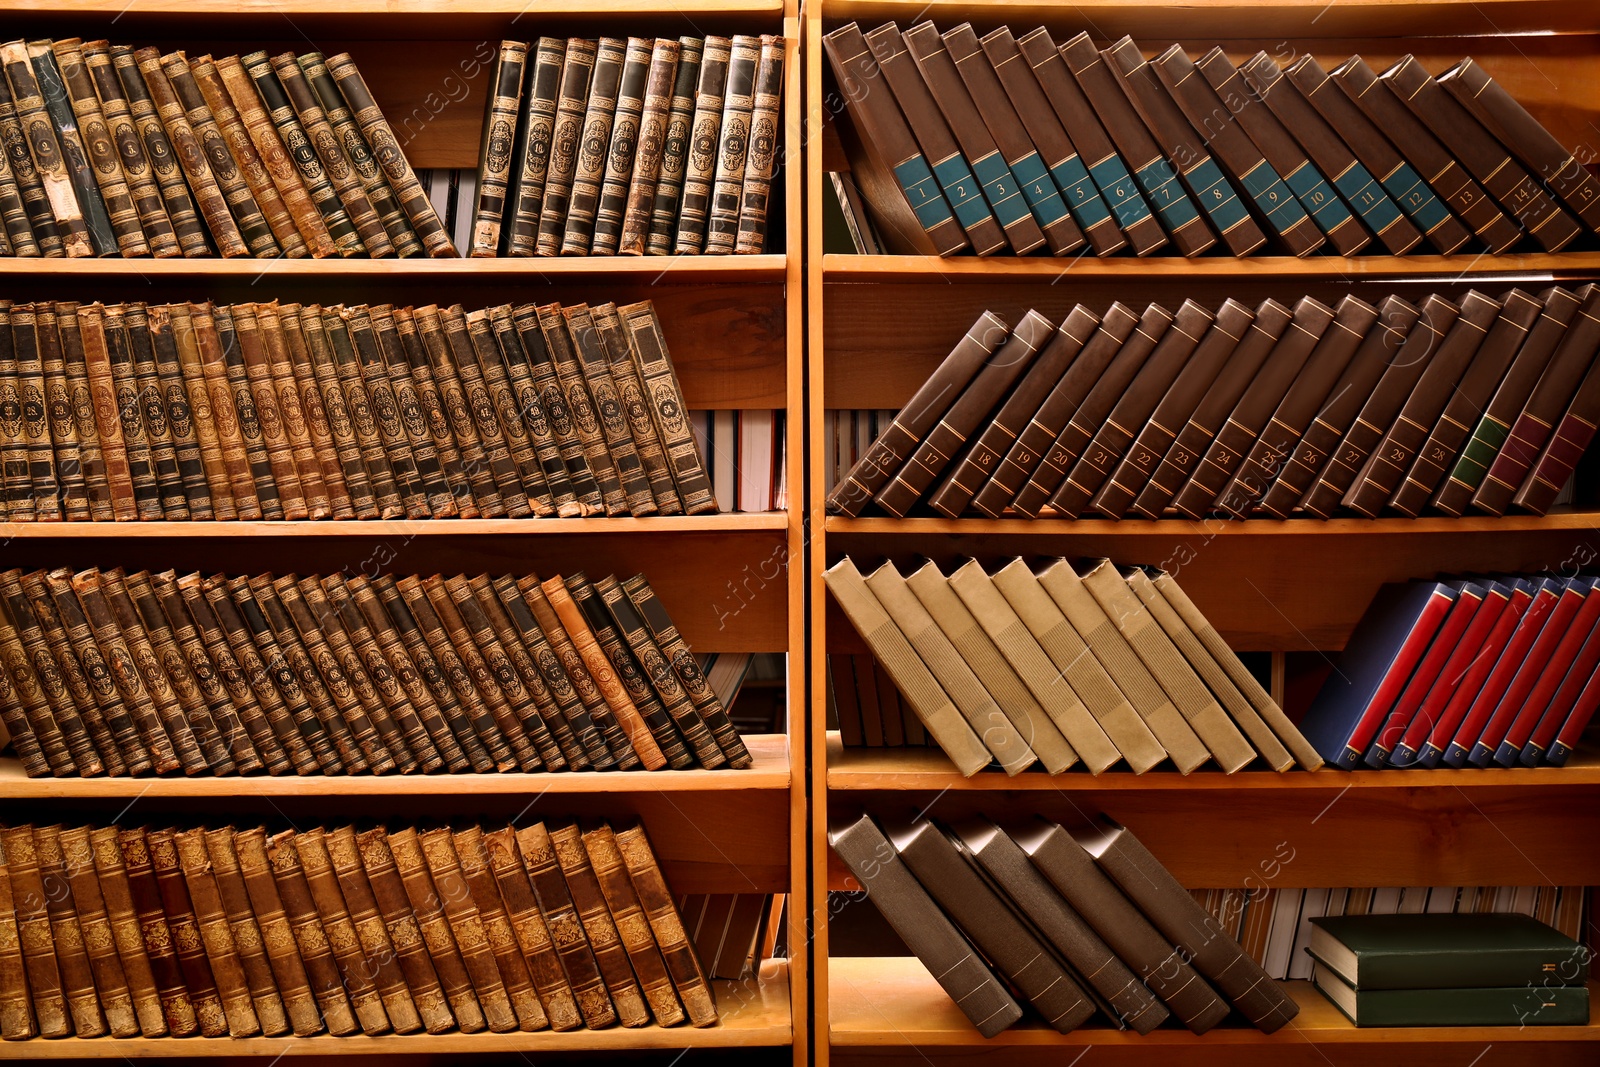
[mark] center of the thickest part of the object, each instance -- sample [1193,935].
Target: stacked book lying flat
[238,932]
[117,151]
[1493,670]
[282,411]
[136,674]
[1075,923]
[955,146]
[629,146]
[1485,403]
[1052,667]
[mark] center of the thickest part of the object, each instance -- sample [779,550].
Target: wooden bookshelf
[733,325]
[878,325]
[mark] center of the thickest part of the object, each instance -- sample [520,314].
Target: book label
[961,189]
[1480,452]
[1272,196]
[922,192]
[1039,190]
[1415,198]
[1111,177]
[1366,196]
[1312,189]
[1160,182]
[1077,188]
[1001,189]
[1216,195]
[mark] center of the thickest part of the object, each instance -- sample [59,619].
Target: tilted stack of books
[237,932]
[958,146]
[136,674]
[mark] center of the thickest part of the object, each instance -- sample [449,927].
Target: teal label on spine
[1077,188]
[1111,175]
[1001,189]
[922,192]
[1272,196]
[1161,184]
[1312,189]
[1415,198]
[1365,195]
[1216,195]
[962,190]
[1039,190]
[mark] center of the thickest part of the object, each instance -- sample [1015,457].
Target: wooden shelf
[1560,520]
[752,1014]
[736,522]
[649,269]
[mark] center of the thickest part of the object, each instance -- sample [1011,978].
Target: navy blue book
[1378,659]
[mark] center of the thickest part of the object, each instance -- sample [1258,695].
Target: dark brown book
[1325,147]
[150,211]
[647,344]
[325,456]
[622,708]
[150,407]
[53,167]
[1486,159]
[577,960]
[71,455]
[630,398]
[486,336]
[431,399]
[474,478]
[1352,328]
[63,617]
[594,138]
[473,864]
[665,923]
[368,476]
[261,421]
[495,147]
[180,1004]
[761,160]
[659,81]
[735,138]
[575,664]
[627,84]
[700,164]
[90,1009]
[606,410]
[1111,439]
[102,872]
[72,673]
[197,392]
[52,714]
[609,951]
[676,146]
[297,945]
[632,926]
[198,979]
[19,239]
[70,141]
[183,209]
[18,494]
[1029,170]
[41,748]
[247,1015]
[1403,438]
[1060,455]
[533,935]
[383,409]
[520,226]
[572,487]
[1380,406]
[101,155]
[1548,474]
[411,415]
[30,184]
[45,980]
[572,94]
[1448,178]
[281,358]
[606,492]
[178,417]
[45,487]
[223,363]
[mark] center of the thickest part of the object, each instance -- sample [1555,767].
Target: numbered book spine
[619,163]
[262,178]
[90,448]
[103,155]
[596,481]
[555,495]
[363,424]
[565,144]
[722,226]
[24,207]
[594,145]
[496,145]
[652,142]
[538,125]
[765,132]
[532,932]
[573,486]
[649,349]
[675,148]
[705,133]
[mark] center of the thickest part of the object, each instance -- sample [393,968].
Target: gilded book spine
[224,414]
[496,147]
[137,169]
[594,143]
[624,146]
[733,147]
[652,141]
[281,360]
[266,416]
[580,408]
[538,120]
[80,171]
[151,407]
[181,208]
[73,673]
[48,161]
[247,1013]
[667,926]
[100,940]
[325,454]
[369,442]
[376,862]
[675,149]
[434,874]
[162,858]
[45,490]
[705,134]
[636,409]
[90,450]
[533,935]
[125,733]
[763,152]
[632,926]
[111,881]
[607,410]
[72,954]
[473,863]
[44,978]
[98,142]
[566,928]
[178,1004]
[24,207]
[16,1008]
[493,458]
[609,951]
[665,396]
[179,413]
[197,392]
[556,496]
[565,144]
[411,996]
[347,1005]
[370,995]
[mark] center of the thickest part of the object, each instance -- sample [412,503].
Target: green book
[1444,951]
[1536,1005]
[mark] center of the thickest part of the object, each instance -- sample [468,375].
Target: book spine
[90,449]
[595,482]
[410,412]
[186,1014]
[74,955]
[667,926]
[648,346]
[14,455]
[595,141]
[247,1015]
[103,157]
[628,672]
[52,713]
[386,433]
[766,103]
[473,862]
[58,170]
[538,125]
[566,144]
[252,167]
[675,147]
[178,417]
[79,164]
[466,470]
[95,860]
[607,409]
[532,934]
[325,457]
[633,927]
[192,159]
[119,125]
[496,146]
[660,80]
[635,410]
[59,408]
[577,961]
[143,403]
[626,714]
[357,404]
[258,334]
[31,387]
[197,972]
[735,138]
[612,205]
[125,735]
[504,365]
[44,979]
[401,732]
[118,79]
[72,672]
[24,206]
[197,396]
[545,342]
[705,134]
[575,663]
[215,393]
[590,902]
[492,463]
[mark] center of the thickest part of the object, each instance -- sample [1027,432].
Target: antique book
[677,143]
[102,866]
[87,673]
[473,864]
[572,95]
[615,346]
[595,139]
[92,62]
[532,933]
[87,1005]
[633,926]
[54,168]
[496,461]
[379,410]
[145,379]
[607,408]
[648,347]
[234,411]
[636,218]
[216,1018]
[762,159]
[250,334]
[733,145]
[412,414]
[103,156]
[31,388]
[178,415]
[520,226]
[325,447]
[70,454]
[705,134]
[295,1006]
[44,980]
[90,451]
[30,183]
[79,167]
[467,472]
[251,1005]
[14,447]
[657,901]
[1565,447]
[197,390]
[538,856]
[190,1007]
[597,475]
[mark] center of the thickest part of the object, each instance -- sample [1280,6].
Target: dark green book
[1518,1006]
[1441,951]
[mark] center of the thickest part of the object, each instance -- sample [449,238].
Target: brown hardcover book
[265,418]
[675,149]
[648,346]
[248,1013]
[183,210]
[52,713]
[411,413]
[201,413]
[1378,410]
[317,177]
[520,232]
[573,488]
[761,159]
[22,722]
[572,94]
[606,489]
[297,945]
[90,450]
[473,480]
[281,357]
[609,951]
[660,81]
[1350,331]
[222,363]
[607,409]
[493,460]
[30,184]
[363,426]
[735,138]
[39,973]
[705,134]
[63,617]
[1484,158]
[138,169]
[101,871]
[346,180]
[479,879]
[526,361]
[163,494]
[69,456]
[18,496]
[522,472]
[495,146]
[103,155]
[383,411]
[627,84]
[115,995]
[591,167]
[647,442]
[400,855]
[263,937]
[48,161]
[1549,473]
[533,936]
[566,929]
[45,488]
[632,926]
[178,417]
[665,923]
[79,167]
[334,455]
[1359,188]
[181,1004]
[71,673]
[628,672]
[246,166]
[1518,315]
[162,859]
[431,398]
[1404,436]
[72,953]
[13,213]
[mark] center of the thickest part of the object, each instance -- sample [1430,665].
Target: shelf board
[858,769]
[641,269]
[893,1000]
[751,1015]
[732,522]
[770,772]
[1232,528]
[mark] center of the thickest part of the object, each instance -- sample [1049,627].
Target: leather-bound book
[248,997]
[333,452]
[607,408]
[72,674]
[595,139]
[1111,439]
[412,413]
[566,928]
[1363,137]
[390,438]
[37,971]
[94,862]
[52,711]
[705,129]
[1486,159]
[73,453]
[495,461]
[531,470]
[42,748]
[659,81]
[103,158]
[1090,413]
[626,74]
[630,398]
[297,948]
[178,417]
[1130,935]
[54,167]
[271,982]
[540,391]
[216,1018]
[926,406]
[136,163]
[1340,343]
[184,211]
[648,346]
[185,1004]
[152,409]
[1448,177]
[1363,192]
[13,212]
[733,145]
[938,942]
[251,330]
[633,926]
[474,481]
[761,161]
[1565,447]
[88,1007]
[43,485]
[657,901]
[528,924]
[1405,435]
[79,165]
[962,417]
[63,618]
[1558,384]
[1567,712]
[18,495]
[234,409]
[197,389]
[572,94]
[601,488]
[304,419]
[677,146]
[585,640]
[479,880]
[30,183]
[530,160]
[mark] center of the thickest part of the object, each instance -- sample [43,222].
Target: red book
[1461,700]
[1570,598]
[1469,598]
[1546,593]
[1465,653]
[1568,641]
[1563,703]
[1582,711]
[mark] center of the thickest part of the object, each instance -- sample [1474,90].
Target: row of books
[123,151]
[235,931]
[1020,666]
[115,674]
[747,453]
[1485,403]
[1490,670]
[281,411]
[1076,922]
[733,933]
[961,148]
[629,146]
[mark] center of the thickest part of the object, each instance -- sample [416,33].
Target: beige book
[1189,694]
[1210,672]
[1259,698]
[950,670]
[1067,650]
[1060,701]
[1126,669]
[916,683]
[929,586]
